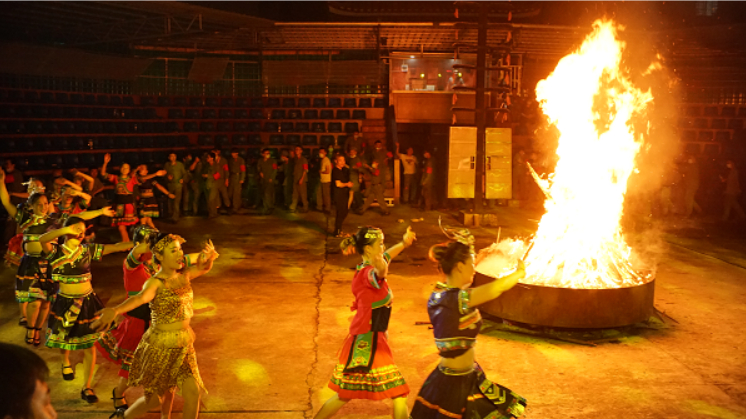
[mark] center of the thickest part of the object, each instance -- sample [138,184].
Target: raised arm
[87,178]
[108,314]
[407,240]
[4,197]
[204,262]
[64,182]
[492,290]
[118,247]
[156,174]
[89,215]
[107,159]
[85,196]
[46,239]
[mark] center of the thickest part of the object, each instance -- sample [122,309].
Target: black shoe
[90,398]
[37,339]
[22,321]
[118,413]
[68,377]
[115,398]
[30,340]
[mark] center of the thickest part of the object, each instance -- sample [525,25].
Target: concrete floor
[274,311]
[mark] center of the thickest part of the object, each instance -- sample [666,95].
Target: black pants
[340,203]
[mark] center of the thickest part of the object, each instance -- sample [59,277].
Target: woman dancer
[165,358]
[125,200]
[458,388]
[118,345]
[366,368]
[148,203]
[75,304]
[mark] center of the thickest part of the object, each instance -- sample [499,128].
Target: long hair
[357,243]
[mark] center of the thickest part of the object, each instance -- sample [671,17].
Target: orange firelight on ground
[595,107]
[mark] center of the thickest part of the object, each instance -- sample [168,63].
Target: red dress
[124,200]
[118,345]
[365,367]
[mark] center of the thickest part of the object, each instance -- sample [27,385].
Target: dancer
[148,203]
[125,200]
[366,368]
[76,303]
[118,345]
[458,388]
[165,358]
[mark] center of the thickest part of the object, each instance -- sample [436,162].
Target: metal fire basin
[571,308]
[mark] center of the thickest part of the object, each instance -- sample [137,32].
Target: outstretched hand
[104,322]
[208,251]
[107,211]
[409,237]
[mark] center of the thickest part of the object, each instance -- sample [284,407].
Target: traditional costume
[164,359]
[33,281]
[366,368]
[118,345]
[467,393]
[124,200]
[148,203]
[72,314]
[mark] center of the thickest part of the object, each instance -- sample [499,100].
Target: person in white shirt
[409,161]
[324,190]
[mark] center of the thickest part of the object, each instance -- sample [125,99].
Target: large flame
[595,108]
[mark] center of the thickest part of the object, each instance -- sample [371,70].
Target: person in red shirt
[365,367]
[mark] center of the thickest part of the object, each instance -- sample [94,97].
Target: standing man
[691,185]
[222,187]
[376,169]
[355,163]
[237,171]
[214,176]
[409,161]
[355,142]
[732,192]
[267,172]
[175,174]
[341,187]
[196,182]
[288,157]
[427,184]
[323,191]
[300,177]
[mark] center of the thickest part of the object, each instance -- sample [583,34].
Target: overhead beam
[138,29]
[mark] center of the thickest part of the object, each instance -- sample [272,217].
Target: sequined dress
[164,359]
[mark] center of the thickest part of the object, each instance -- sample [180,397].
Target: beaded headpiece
[164,242]
[373,233]
[461,235]
[32,187]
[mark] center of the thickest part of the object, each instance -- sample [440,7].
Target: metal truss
[134,30]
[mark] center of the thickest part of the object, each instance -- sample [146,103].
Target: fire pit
[580,271]
[571,308]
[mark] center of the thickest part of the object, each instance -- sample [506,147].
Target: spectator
[300,179]
[176,175]
[24,392]
[377,171]
[222,167]
[267,168]
[323,191]
[196,183]
[341,186]
[732,192]
[409,161]
[427,183]
[287,158]
[355,142]
[355,163]
[216,181]
[237,172]
[691,185]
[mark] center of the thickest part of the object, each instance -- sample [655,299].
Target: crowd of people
[210,184]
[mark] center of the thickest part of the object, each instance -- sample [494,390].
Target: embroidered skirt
[163,360]
[70,321]
[15,251]
[118,345]
[366,369]
[450,394]
[33,280]
[149,207]
[125,215]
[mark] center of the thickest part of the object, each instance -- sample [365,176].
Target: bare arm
[409,238]
[89,215]
[4,197]
[492,290]
[156,174]
[107,159]
[118,247]
[64,182]
[204,262]
[164,190]
[87,178]
[46,239]
[143,297]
